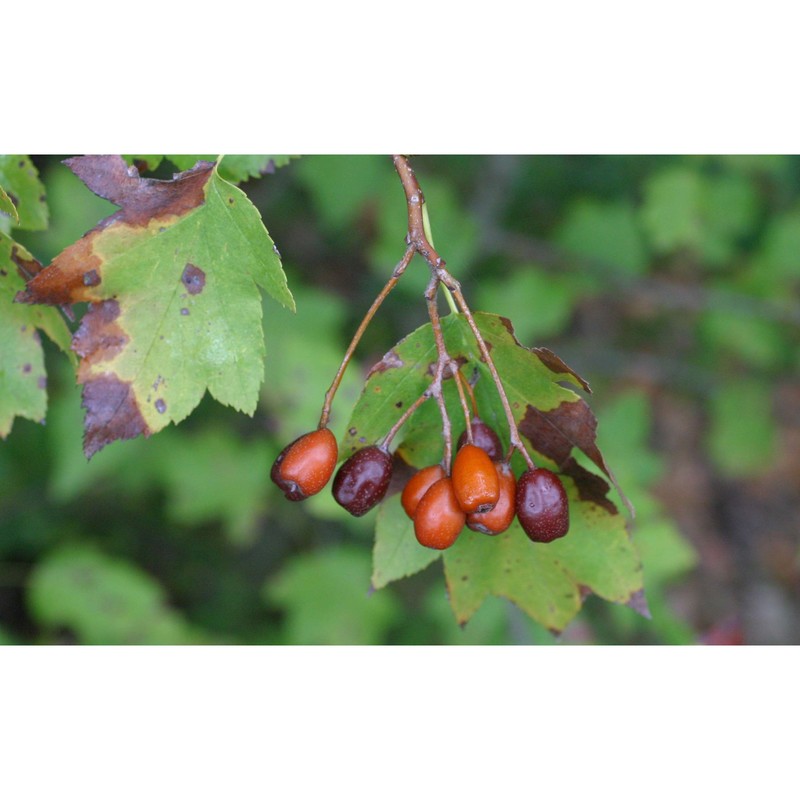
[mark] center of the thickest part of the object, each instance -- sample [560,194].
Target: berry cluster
[480,492]
[477,487]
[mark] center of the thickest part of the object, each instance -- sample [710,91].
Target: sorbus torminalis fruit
[417,485]
[475,479]
[542,505]
[501,516]
[363,479]
[439,519]
[484,437]
[306,465]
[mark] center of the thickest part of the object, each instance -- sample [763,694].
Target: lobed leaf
[547,581]
[172,279]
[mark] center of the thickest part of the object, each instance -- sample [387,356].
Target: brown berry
[362,481]
[417,485]
[484,437]
[439,519]
[501,516]
[542,505]
[306,465]
[475,479]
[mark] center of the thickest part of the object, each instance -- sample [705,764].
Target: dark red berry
[306,465]
[484,437]
[475,479]
[417,485]
[542,506]
[439,520]
[362,481]
[501,516]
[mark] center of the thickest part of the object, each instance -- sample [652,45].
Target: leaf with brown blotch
[555,432]
[173,280]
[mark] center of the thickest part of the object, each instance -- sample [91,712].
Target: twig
[331,393]
[418,238]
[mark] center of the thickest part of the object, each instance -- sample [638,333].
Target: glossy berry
[439,519]
[475,479]
[542,505]
[484,437]
[362,481]
[417,485]
[306,465]
[501,516]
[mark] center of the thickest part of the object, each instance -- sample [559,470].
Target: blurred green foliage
[659,279]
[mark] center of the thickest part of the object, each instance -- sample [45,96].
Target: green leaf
[397,554]
[742,438]
[235,168]
[103,600]
[7,207]
[683,208]
[781,246]
[341,187]
[23,380]
[327,600]
[211,476]
[20,180]
[173,283]
[547,581]
[540,303]
[605,232]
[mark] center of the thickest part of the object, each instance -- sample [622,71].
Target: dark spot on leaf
[23,328]
[21,164]
[91,278]
[26,368]
[3,273]
[463,577]
[352,431]
[591,488]
[42,198]
[185,312]
[399,404]
[390,361]
[13,198]
[42,382]
[111,413]
[362,439]
[161,406]
[193,278]
[230,200]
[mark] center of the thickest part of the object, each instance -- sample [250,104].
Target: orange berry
[439,519]
[475,480]
[501,516]
[417,485]
[306,465]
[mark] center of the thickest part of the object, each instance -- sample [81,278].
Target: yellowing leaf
[173,281]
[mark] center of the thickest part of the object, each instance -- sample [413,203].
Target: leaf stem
[376,304]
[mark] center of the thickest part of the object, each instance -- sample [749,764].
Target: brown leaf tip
[111,413]
[193,278]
